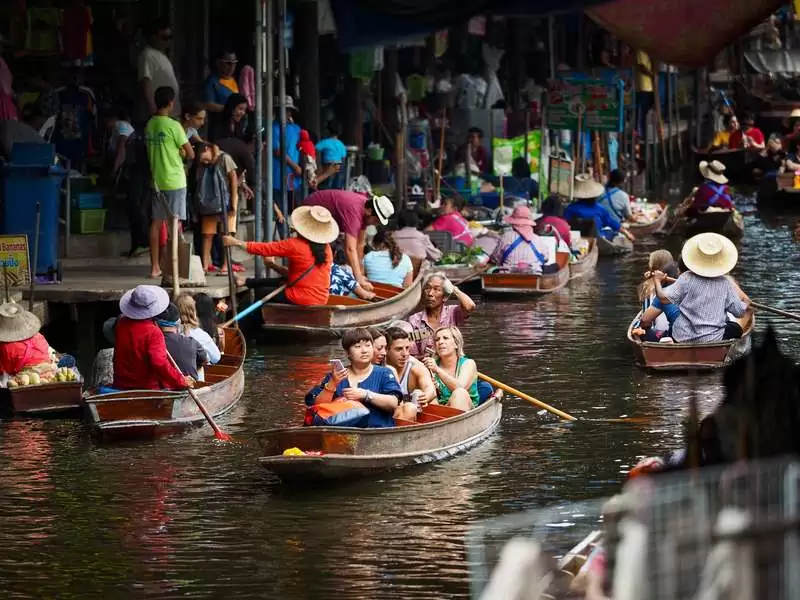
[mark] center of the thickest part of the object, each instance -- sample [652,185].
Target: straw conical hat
[585,187]
[16,323]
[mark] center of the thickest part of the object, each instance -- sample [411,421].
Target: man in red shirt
[354,212]
[141,361]
[748,136]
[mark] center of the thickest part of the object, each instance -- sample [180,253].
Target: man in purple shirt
[354,212]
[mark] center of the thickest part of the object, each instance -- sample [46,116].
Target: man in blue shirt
[586,191]
[219,86]
[331,154]
[291,171]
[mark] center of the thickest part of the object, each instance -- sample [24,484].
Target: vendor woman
[21,344]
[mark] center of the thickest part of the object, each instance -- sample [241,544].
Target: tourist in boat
[190,326]
[772,160]
[187,352]
[705,294]
[207,317]
[616,200]
[309,255]
[451,220]
[713,192]
[21,344]
[103,365]
[387,263]
[455,375]
[657,318]
[722,139]
[520,249]
[378,346]
[374,386]
[141,361]
[748,136]
[413,242]
[436,312]
[354,212]
[415,379]
[342,281]
[552,217]
[587,192]
[791,143]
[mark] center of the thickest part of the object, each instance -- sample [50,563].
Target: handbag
[345,413]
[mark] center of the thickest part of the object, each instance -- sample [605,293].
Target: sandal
[237,268]
[212,269]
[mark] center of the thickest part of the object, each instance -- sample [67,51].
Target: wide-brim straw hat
[585,188]
[17,324]
[521,216]
[709,255]
[315,223]
[714,170]
[795,113]
[144,302]
[383,208]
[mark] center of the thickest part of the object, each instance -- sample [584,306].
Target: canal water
[190,518]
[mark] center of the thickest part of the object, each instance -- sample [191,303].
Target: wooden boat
[689,357]
[349,452]
[727,223]
[654,226]
[608,248]
[149,414]
[779,194]
[45,399]
[526,283]
[344,312]
[735,162]
[587,263]
[466,277]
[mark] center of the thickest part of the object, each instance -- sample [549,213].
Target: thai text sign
[600,105]
[610,76]
[14,260]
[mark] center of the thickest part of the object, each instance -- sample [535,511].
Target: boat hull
[689,357]
[735,162]
[725,223]
[46,399]
[587,264]
[352,452]
[151,414]
[342,313]
[527,284]
[607,248]
[642,229]
[779,194]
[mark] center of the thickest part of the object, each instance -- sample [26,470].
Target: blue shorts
[169,203]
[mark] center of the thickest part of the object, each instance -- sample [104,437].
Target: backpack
[212,188]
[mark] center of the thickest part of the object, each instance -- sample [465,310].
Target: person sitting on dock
[713,192]
[704,293]
[522,250]
[353,212]
[455,375]
[374,386]
[722,139]
[187,352]
[616,200]
[415,379]
[586,192]
[141,361]
[190,326]
[309,255]
[387,263]
[21,344]
[436,291]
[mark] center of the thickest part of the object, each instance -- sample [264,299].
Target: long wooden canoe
[343,312]
[349,452]
[150,414]
[727,223]
[779,193]
[45,399]
[585,264]
[524,283]
[641,229]
[608,248]
[689,357]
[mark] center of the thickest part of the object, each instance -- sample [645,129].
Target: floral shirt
[342,281]
[451,315]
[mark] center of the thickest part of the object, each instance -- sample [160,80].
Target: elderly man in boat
[521,250]
[436,312]
[354,212]
[374,386]
[141,360]
[705,293]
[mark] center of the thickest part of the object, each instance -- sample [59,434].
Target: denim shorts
[175,201]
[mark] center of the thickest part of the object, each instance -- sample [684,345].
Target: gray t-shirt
[704,303]
[187,352]
[12,132]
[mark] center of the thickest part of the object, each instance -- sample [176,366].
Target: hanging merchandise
[42,30]
[288,31]
[417,87]
[76,35]
[441,42]
[364,63]
[477,26]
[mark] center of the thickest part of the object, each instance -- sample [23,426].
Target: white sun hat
[714,170]
[709,255]
[383,208]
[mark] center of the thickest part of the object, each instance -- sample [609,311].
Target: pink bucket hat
[522,221]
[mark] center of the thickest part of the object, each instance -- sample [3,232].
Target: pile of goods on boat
[42,375]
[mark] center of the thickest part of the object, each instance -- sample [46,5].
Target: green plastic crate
[89,220]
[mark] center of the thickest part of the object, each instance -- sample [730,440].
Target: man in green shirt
[167,148]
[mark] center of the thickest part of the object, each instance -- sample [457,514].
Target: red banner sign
[685,33]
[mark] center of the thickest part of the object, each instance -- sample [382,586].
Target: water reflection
[190,518]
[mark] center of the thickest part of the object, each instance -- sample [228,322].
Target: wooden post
[173,244]
[308,65]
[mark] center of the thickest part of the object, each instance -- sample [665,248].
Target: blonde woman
[658,261]
[190,326]
[455,375]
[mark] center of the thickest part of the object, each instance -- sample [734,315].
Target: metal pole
[259,118]
[282,102]
[551,46]
[269,157]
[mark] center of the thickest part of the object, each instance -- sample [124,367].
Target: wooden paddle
[218,433]
[531,399]
[777,311]
[253,307]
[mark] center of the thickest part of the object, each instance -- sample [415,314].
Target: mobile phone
[337,365]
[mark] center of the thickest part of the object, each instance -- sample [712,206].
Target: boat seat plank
[427,417]
[403,423]
[441,410]
[345,301]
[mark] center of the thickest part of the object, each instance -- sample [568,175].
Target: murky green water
[188,518]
